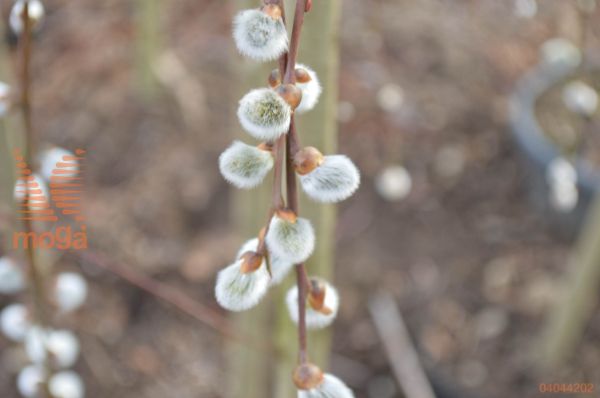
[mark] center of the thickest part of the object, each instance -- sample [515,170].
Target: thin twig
[399,349]
[174,297]
[37,285]
[36,276]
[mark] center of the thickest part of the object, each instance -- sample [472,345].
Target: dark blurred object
[538,152]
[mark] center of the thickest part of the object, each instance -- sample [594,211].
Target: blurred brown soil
[474,268]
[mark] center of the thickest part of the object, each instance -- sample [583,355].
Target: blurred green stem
[148,42]
[573,309]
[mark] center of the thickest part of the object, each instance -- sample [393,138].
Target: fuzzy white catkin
[314,319]
[29,379]
[292,242]
[559,51]
[36,13]
[279,267]
[12,279]
[14,321]
[245,166]
[70,291]
[62,344]
[66,384]
[259,36]
[49,159]
[336,179]
[4,99]
[394,183]
[562,180]
[22,186]
[264,114]
[311,90]
[560,170]
[236,291]
[331,387]
[580,98]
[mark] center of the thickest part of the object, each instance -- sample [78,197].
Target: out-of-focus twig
[187,90]
[172,296]
[574,307]
[401,353]
[148,42]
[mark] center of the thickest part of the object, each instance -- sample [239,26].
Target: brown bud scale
[302,75]
[274,78]
[251,261]
[307,159]
[290,93]
[272,10]
[316,296]
[287,214]
[308,376]
[265,146]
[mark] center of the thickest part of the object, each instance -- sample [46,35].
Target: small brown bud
[307,376]
[302,75]
[287,215]
[251,261]
[274,78]
[265,146]
[291,94]
[272,10]
[307,159]
[316,296]
[308,6]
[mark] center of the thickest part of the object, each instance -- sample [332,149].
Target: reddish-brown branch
[287,63]
[290,76]
[291,182]
[172,296]
[277,197]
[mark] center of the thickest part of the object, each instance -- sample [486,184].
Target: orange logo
[39,202]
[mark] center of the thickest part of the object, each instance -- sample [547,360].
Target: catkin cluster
[287,240]
[50,352]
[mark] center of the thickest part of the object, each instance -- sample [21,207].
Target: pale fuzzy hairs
[49,159]
[292,242]
[245,166]
[236,291]
[62,346]
[66,384]
[12,278]
[336,179]
[314,319]
[311,91]
[70,291]
[279,267]
[264,114]
[14,321]
[259,36]
[331,387]
[29,380]
[21,188]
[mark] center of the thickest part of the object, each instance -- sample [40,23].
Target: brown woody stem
[291,182]
[287,66]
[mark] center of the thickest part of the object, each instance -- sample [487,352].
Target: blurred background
[448,219]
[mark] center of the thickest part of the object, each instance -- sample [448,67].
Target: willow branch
[291,183]
[173,297]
